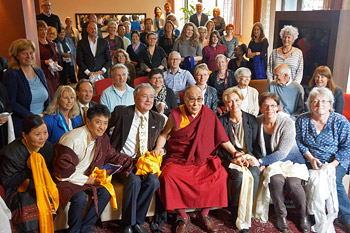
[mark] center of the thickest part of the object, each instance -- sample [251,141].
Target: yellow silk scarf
[105,181]
[147,163]
[184,119]
[47,197]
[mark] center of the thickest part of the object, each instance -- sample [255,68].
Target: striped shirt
[294,61]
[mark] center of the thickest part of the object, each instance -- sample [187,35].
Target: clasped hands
[244,160]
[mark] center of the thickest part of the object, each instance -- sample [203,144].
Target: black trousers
[68,70]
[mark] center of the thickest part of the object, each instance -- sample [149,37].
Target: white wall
[247,21]
[64,8]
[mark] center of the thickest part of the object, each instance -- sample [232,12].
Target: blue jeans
[343,199]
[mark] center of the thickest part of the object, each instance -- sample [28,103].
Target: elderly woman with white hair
[222,78]
[323,136]
[250,102]
[287,54]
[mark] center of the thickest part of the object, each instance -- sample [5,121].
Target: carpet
[222,218]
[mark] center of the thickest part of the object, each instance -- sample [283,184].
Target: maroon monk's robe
[192,176]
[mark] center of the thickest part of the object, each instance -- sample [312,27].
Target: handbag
[25,213]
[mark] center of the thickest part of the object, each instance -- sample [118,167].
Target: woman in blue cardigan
[26,84]
[63,114]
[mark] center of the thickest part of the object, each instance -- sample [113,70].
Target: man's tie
[84,114]
[142,137]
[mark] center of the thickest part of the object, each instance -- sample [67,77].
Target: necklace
[287,51]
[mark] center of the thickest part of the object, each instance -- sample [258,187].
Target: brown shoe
[183,224]
[211,226]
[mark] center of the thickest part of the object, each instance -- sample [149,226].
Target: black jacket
[86,60]
[250,126]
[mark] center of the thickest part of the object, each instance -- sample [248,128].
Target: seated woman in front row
[284,164]
[16,173]
[63,114]
[323,136]
[242,130]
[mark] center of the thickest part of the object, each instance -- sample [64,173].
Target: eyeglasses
[314,102]
[47,5]
[269,106]
[192,99]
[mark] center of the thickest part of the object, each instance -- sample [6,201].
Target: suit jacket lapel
[126,123]
[151,130]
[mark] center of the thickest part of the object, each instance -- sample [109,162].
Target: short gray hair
[175,53]
[324,91]
[285,70]
[115,67]
[220,56]
[243,71]
[293,31]
[138,88]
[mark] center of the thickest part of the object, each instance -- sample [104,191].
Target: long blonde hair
[54,106]
[193,39]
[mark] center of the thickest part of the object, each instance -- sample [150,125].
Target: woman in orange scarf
[16,175]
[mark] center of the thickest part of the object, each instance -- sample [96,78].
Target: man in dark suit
[93,54]
[84,91]
[199,19]
[136,130]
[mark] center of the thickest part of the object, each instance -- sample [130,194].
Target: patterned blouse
[333,142]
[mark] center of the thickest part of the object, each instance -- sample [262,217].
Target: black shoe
[127,229]
[245,230]
[305,224]
[282,224]
[140,229]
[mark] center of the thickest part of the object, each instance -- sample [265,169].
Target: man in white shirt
[93,54]
[84,91]
[136,130]
[76,155]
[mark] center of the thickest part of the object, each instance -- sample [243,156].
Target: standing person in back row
[199,19]
[93,54]
[49,18]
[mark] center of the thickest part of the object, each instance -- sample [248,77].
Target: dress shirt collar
[178,71]
[82,105]
[138,114]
